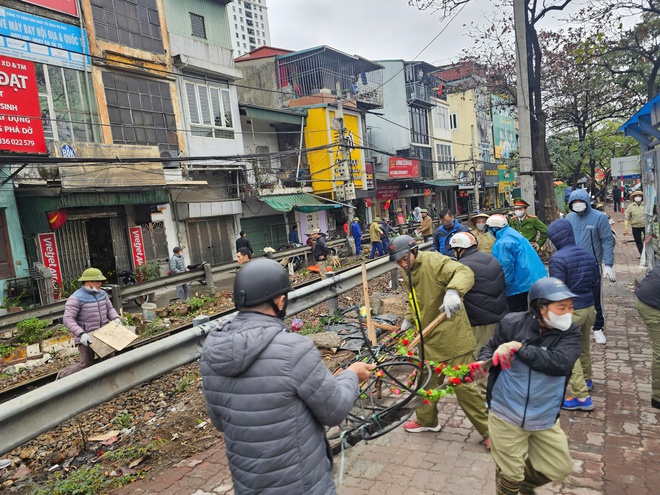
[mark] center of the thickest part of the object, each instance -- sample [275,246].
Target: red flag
[56,218]
[386,206]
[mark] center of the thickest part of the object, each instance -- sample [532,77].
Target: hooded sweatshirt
[592,229]
[271,394]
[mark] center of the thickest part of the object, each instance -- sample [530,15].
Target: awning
[440,183]
[299,202]
[271,115]
[639,126]
[112,175]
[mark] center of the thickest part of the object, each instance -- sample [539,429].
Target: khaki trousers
[482,334]
[582,371]
[651,317]
[471,400]
[322,268]
[547,450]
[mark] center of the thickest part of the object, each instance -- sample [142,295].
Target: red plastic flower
[438,369]
[457,367]
[426,401]
[429,392]
[405,341]
[410,353]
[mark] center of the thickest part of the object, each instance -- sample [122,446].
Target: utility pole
[344,167]
[474,171]
[524,112]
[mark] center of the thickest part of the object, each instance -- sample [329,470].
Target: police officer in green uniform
[529,226]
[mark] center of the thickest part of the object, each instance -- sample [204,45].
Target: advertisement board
[504,128]
[21,129]
[387,191]
[64,6]
[38,39]
[137,246]
[51,258]
[403,168]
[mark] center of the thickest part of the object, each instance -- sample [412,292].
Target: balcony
[419,94]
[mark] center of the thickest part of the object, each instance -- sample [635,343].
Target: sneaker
[574,404]
[590,385]
[414,427]
[599,337]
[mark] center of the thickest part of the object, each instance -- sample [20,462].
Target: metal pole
[524,112]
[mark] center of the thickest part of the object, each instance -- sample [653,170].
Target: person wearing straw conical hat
[479,230]
[532,229]
[634,218]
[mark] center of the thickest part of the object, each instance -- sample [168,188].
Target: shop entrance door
[100,242]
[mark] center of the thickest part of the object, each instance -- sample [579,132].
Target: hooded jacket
[520,263]
[649,288]
[87,311]
[573,265]
[592,229]
[271,394]
[441,237]
[485,302]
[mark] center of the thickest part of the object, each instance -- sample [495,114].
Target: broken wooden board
[100,349]
[115,336]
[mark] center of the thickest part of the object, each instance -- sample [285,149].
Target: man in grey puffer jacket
[270,393]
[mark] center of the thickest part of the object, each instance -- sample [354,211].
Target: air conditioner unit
[378,160]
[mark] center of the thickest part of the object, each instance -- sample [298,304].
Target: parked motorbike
[298,259]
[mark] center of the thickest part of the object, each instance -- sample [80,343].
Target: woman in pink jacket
[88,309]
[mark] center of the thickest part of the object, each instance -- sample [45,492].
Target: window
[134,23]
[209,109]
[6,261]
[198,27]
[67,110]
[441,117]
[446,161]
[243,36]
[237,35]
[453,122]
[140,111]
[419,125]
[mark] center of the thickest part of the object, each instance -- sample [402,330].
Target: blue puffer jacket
[520,263]
[441,238]
[573,265]
[530,394]
[592,229]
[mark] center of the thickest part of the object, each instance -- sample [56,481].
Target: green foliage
[148,271]
[123,420]
[31,331]
[129,319]
[134,452]
[311,327]
[185,382]
[198,301]
[13,302]
[86,480]
[155,327]
[6,350]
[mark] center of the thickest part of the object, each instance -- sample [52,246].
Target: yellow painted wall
[462,104]
[354,134]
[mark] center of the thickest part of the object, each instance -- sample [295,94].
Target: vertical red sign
[51,258]
[137,246]
[21,129]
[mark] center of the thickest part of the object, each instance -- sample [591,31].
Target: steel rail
[37,411]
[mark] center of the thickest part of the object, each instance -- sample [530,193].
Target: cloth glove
[406,324]
[451,304]
[626,228]
[609,273]
[117,321]
[84,339]
[476,370]
[503,355]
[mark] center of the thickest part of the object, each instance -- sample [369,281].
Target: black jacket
[320,249]
[243,242]
[485,302]
[649,289]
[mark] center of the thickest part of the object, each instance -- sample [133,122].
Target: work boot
[533,479]
[504,486]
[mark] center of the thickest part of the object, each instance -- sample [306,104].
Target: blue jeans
[377,246]
[358,245]
[386,244]
[182,292]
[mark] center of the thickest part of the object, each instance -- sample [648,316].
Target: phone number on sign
[17,142]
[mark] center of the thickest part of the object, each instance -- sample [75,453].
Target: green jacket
[635,214]
[432,274]
[529,228]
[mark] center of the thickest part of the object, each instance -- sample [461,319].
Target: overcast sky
[376,29]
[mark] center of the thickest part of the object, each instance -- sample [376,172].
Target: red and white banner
[137,247]
[403,168]
[65,6]
[21,129]
[51,258]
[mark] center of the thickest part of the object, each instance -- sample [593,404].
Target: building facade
[248,24]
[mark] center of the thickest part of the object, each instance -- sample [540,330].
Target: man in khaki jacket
[375,233]
[426,227]
[440,282]
[634,218]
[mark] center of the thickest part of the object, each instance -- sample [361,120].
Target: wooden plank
[100,349]
[430,327]
[371,331]
[385,326]
[115,336]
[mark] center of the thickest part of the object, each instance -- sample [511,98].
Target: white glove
[117,321]
[609,273]
[84,339]
[406,324]
[451,303]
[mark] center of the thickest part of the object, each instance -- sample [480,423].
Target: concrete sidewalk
[616,446]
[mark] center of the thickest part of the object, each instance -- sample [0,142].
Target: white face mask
[560,322]
[481,226]
[579,206]
[638,199]
[519,213]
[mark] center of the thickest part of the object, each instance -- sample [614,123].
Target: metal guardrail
[26,417]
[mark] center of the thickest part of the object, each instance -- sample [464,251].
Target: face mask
[481,226]
[638,199]
[560,322]
[448,225]
[519,213]
[92,290]
[579,206]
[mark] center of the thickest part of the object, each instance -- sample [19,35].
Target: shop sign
[21,129]
[403,168]
[38,39]
[64,6]
[51,258]
[491,174]
[369,169]
[137,246]
[506,174]
[387,191]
